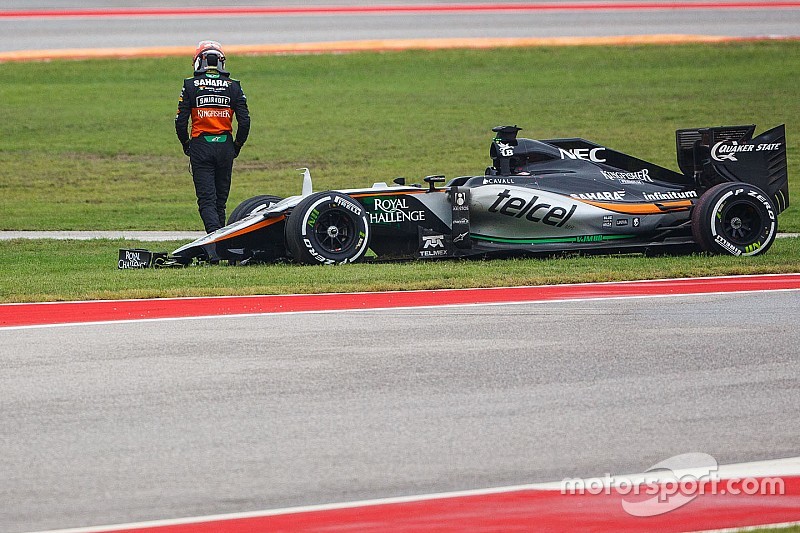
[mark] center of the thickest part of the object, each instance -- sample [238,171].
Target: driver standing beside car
[211,98]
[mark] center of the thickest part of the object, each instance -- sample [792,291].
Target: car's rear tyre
[327,228]
[735,219]
[247,207]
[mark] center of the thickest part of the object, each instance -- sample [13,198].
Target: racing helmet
[209,55]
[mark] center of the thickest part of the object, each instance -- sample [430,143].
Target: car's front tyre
[327,228]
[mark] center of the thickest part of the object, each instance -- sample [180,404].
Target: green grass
[42,270]
[91,144]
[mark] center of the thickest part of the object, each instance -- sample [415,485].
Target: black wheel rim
[334,230]
[741,223]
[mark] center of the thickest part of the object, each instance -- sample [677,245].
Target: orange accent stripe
[254,227]
[642,209]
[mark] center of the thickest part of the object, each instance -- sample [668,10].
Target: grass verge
[43,270]
[92,144]
[93,147]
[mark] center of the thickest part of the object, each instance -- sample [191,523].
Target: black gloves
[186,147]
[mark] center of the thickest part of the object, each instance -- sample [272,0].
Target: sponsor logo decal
[460,201]
[671,195]
[498,181]
[506,150]
[392,210]
[433,253]
[433,246]
[760,198]
[213,113]
[615,195]
[719,239]
[361,237]
[460,218]
[433,241]
[727,150]
[768,147]
[750,248]
[202,83]
[133,259]
[587,154]
[531,209]
[213,100]
[624,177]
[622,222]
[312,218]
[608,221]
[315,254]
[350,206]
[636,222]
[589,238]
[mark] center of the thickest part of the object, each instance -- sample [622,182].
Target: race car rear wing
[730,153]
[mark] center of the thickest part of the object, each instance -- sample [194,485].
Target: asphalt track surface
[124,422]
[34,33]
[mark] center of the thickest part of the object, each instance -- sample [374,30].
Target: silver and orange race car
[537,197]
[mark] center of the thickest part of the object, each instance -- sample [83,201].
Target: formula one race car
[538,197]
